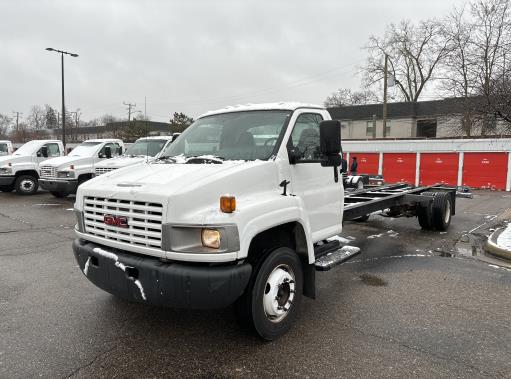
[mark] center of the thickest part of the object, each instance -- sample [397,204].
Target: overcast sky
[188,56]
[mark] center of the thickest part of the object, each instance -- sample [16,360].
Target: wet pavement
[413,303]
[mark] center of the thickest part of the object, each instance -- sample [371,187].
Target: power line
[129,109]
[17,119]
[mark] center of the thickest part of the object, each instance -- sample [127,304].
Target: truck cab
[144,149]
[20,170]
[62,176]
[228,213]
[6,148]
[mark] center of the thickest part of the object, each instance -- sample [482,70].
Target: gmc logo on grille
[119,221]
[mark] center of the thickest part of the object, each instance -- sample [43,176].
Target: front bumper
[7,180]
[54,185]
[147,279]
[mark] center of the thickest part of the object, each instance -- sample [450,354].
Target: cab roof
[288,106]
[104,140]
[156,137]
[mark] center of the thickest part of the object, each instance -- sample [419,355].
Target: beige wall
[399,128]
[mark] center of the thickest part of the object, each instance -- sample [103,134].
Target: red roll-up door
[399,167]
[367,162]
[439,168]
[485,170]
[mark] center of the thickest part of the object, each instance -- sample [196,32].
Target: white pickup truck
[62,176]
[241,209]
[20,170]
[143,150]
[5,148]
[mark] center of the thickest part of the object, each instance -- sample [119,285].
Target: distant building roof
[448,106]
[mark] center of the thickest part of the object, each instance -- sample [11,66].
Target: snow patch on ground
[504,239]
[86,268]
[45,205]
[388,233]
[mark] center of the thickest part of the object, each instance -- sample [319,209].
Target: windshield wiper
[167,158]
[205,159]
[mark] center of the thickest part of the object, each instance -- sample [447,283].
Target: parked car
[143,150]
[20,170]
[6,148]
[62,176]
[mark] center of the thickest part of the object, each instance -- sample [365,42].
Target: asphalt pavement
[413,303]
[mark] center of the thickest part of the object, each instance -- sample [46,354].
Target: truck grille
[103,170]
[48,172]
[144,220]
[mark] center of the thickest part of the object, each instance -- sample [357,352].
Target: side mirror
[107,152]
[330,137]
[294,155]
[44,151]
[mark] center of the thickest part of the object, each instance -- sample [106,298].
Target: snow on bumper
[147,279]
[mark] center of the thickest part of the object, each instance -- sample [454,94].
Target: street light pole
[63,103]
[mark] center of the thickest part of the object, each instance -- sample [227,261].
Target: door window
[115,148]
[305,137]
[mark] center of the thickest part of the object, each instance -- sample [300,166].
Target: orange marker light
[227,204]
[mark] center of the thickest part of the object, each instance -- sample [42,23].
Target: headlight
[5,170]
[65,174]
[211,238]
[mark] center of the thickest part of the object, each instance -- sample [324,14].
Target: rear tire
[273,295]
[441,211]
[425,213]
[8,188]
[26,185]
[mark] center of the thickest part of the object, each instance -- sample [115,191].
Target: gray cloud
[188,56]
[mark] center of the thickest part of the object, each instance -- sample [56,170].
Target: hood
[14,159]
[66,161]
[123,161]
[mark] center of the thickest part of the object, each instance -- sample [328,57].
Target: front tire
[59,194]
[26,185]
[272,298]
[8,188]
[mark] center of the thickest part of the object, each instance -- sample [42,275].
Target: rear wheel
[26,185]
[425,213]
[272,298]
[8,188]
[442,207]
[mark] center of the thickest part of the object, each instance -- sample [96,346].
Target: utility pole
[129,109]
[385,86]
[62,53]
[17,119]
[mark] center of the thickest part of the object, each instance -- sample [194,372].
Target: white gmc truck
[240,209]
[20,171]
[144,149]
[62,176]
[6,148]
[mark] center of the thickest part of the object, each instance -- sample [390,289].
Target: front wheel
[8,188]
[59,194]
[26,185]
[272,298]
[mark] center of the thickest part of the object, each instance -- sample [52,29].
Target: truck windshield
[85,149]
[145,147]
[29,148]
[248,135]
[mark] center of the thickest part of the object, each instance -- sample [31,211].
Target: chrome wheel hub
[279,293]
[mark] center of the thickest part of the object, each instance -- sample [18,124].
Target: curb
[492,247]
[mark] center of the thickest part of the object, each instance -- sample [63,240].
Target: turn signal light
[227,204]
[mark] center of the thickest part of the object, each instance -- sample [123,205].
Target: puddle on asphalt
[372,280]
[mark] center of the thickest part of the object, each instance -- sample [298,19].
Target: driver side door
[321,196]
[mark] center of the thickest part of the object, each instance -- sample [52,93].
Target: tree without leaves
[179,122]
[5,123]
[37,118]
[345,96]
[414,51]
